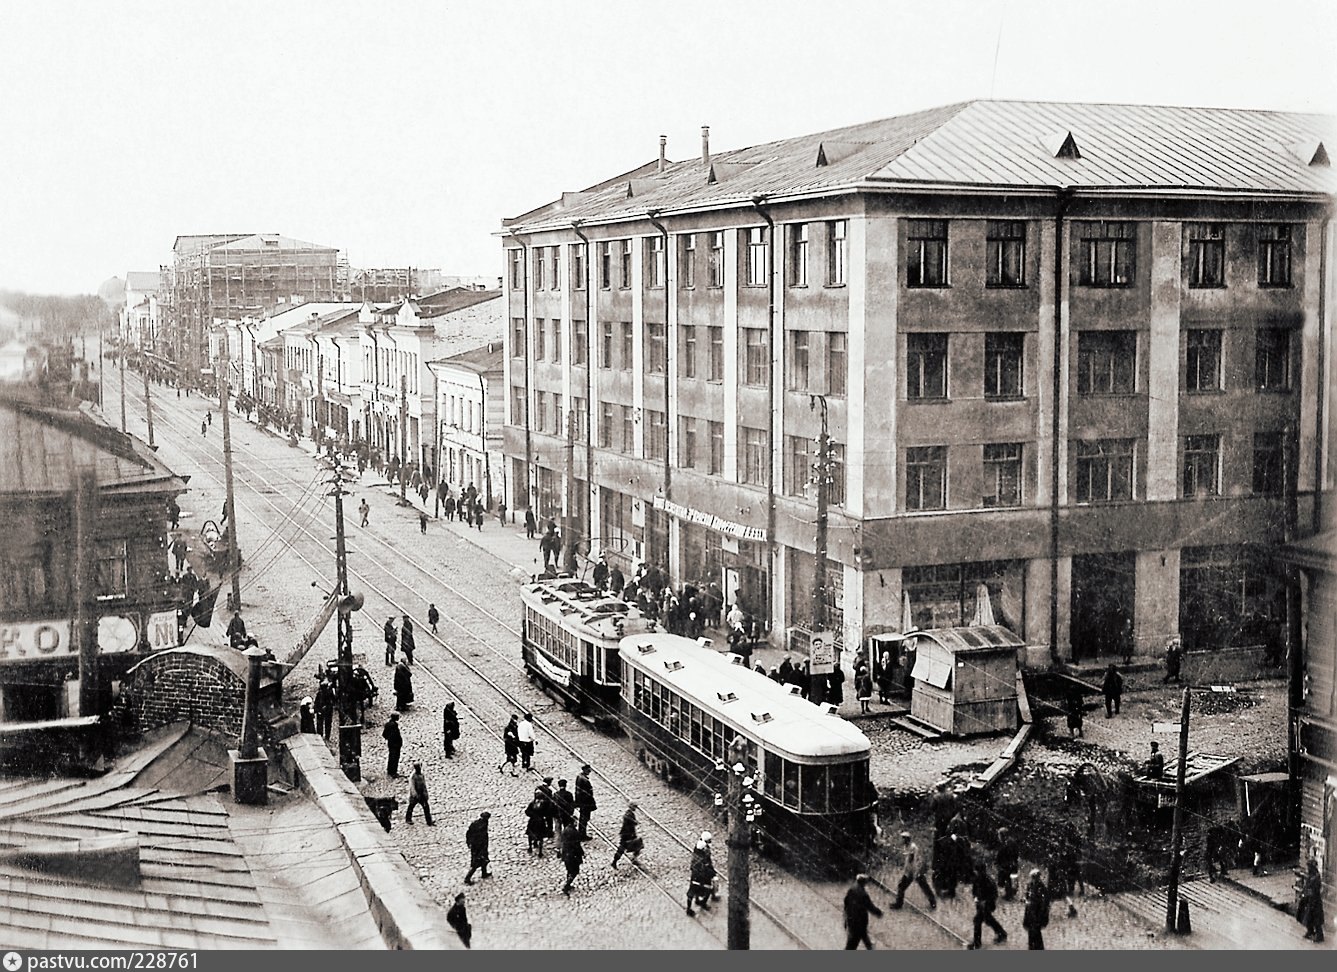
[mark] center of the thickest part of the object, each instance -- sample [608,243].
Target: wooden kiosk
[965,679]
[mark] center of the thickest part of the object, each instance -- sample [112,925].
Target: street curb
[404,913]
[1285,909]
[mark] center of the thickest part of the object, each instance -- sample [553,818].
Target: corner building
[1071,355]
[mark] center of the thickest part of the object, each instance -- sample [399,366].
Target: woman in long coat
[407,643]
[403,687]
[536,829]
[510,739]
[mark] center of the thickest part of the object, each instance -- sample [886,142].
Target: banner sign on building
[34,640]
[713,522]
[163,630]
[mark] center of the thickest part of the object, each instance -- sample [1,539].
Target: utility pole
[120,355]
[568,530]
[822,477]
[318,430]
[403,435]
[1177,832]
[234,541]
[148,402]
[740,808]
[350,722]
[85,593]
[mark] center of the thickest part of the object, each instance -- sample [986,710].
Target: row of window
[388,366]
[552,639]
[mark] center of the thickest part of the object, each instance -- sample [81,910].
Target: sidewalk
[1222,916]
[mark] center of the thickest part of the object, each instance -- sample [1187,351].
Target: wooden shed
[965,679]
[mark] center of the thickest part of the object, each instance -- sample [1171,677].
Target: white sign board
[163,630]
[822,652]
[1164,728]
[30,640]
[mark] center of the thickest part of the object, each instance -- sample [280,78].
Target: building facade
[470,404]
[1071,355]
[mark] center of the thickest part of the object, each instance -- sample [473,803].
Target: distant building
[141,313]
[390,284]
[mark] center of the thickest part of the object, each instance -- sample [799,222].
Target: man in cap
[418,796]
[394,742]
[458,919]
[628,842]
[912,872]
[858,906]
[585,804]
[701,885]
[477,839]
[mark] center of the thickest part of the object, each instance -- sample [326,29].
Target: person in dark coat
[565,805]
[986,900]
[1008,860]
[536,823]
[1311,902]
[531,525]
[1155,765]
[418,796]
[510,740]
[449,508]
[585,804]
[458,919]
[858,906]
[1214,856]
[863,688]
[236,630]
[787,672]
[306,716]
[1174,653]
[403,687]
[407,643]
[601,574]
[433,616]
[615,580]
[1036,915]
[450,727]
[1074,710]
[390,639]
[701,885]
[476,839]
[544,790]
[1112,687]
[943,805]
[364,691]
[573,855]
[324,708]
[627,841]
[394,742]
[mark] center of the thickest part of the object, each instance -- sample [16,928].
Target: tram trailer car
[569,643]
[684,703]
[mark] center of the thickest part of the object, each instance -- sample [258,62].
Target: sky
[404,132]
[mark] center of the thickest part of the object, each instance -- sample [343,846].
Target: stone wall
[1222,666]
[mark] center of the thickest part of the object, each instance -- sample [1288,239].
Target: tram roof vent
[726,696]
[762,717]
[830,709]
[736,659]
[646,649]
[794,689]
[672,665]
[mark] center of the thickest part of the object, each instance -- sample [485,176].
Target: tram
[570,634]
[684,704]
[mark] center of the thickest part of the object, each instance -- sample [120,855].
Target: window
[752,446]
[1105,470]
[798,254]
[716,448]
[835,487]
[687,260]
[556,339]
[686,442]
[1109,257]
[1005,244]
[1274,255]
[925,367]
[687,355]
[578,266]
[1002,474]
[1202,465]
[656,435]
[540,267]
[556,268]
[1106,362]
[605,266]
[836,363]
[1206,254]
[517,268]
[654,262]
[835,252]
[1003,365]
[517,405]
[1202,359]
[926,259]
[628,346]
[757,355]
[798,360]
[558,419]
[624,264]
[656,361]
[926,478]
[111,569]
[756,256]
[540,339]
[540,411]
[606,344]
[628,430]
[1269,463]
[580,350]
[716,260]
[716,372]
[606,425]
[799,453]
[580,409]
[1272,359]
[517,337]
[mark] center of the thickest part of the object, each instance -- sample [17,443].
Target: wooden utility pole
[85,587]
[120,356]
[822,479]
[568,528]
[148,401]
[1177,831]
[350,721]
[403,435]
[318,429]
[740,849]
[234,541]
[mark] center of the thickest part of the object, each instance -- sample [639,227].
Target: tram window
[696,727]
[638,682]
[842,787]
[708,735]
[773,773]
[613,666]
[814,789]
[864,794]
[752,759]
[791,784]
[675,716]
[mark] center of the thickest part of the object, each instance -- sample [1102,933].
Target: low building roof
[143,281]
[488,358]
[271,241]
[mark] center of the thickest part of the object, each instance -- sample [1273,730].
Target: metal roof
[584,609]
[971,637]
[270,241]
[796,728]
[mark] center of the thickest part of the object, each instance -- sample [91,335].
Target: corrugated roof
[490,357]
[972,637]
[1000,144]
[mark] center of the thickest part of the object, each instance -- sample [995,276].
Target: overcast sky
[403,132]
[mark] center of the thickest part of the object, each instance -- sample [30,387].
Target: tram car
[570,633]
[684,704]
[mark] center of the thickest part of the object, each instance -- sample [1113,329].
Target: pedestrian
[585,804]
[324,708]
[364,691]
[479,517]
[536,824]
[510,740]
[986,900]
[390,638]
[884,677]
[209,416]
[615,580]
[501,512]
[450,508]
[433,616]
[701,884]
[1074,709]
[1218,839]
[1008,860]
[525,734]
[179,550]
[1155,766]
[943,805]
[394,742]
[1060,876]
[1174,649]
[1036,915]
[573,855]
[1310,910]
[627,840]
[306,716]
[363,511]
[422,522]
[544,790]
[236,630]
[204,428]
[418,796]
[531,525]
[913,869]
[476,839]
[406,639]
[564,805]
[1112,687]
[863,688]
[403,687]
[858,906]
[450,728]
[601,573]
[458,919]
[174,513]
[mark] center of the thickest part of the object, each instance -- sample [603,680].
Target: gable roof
[143,281]
[483,360]
[1003,145]
[270,241]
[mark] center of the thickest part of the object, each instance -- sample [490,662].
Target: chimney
[663,147]
[705,146]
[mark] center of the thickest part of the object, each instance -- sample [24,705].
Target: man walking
[390,638]
[1008,860]
[363,512]
[858,906]
[418,796]
[458,919]
[1036,916]
[510,741]
[564,805]
[573,855]
[525,733]
[407,643]
[531,525]
[394,742]
[627,841]
[986,900]
[422,522]
[1173,656]
[585,804]
[403,687]
[1112,687]
[433,616]
[912,872]
[476,839]
[450,728]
